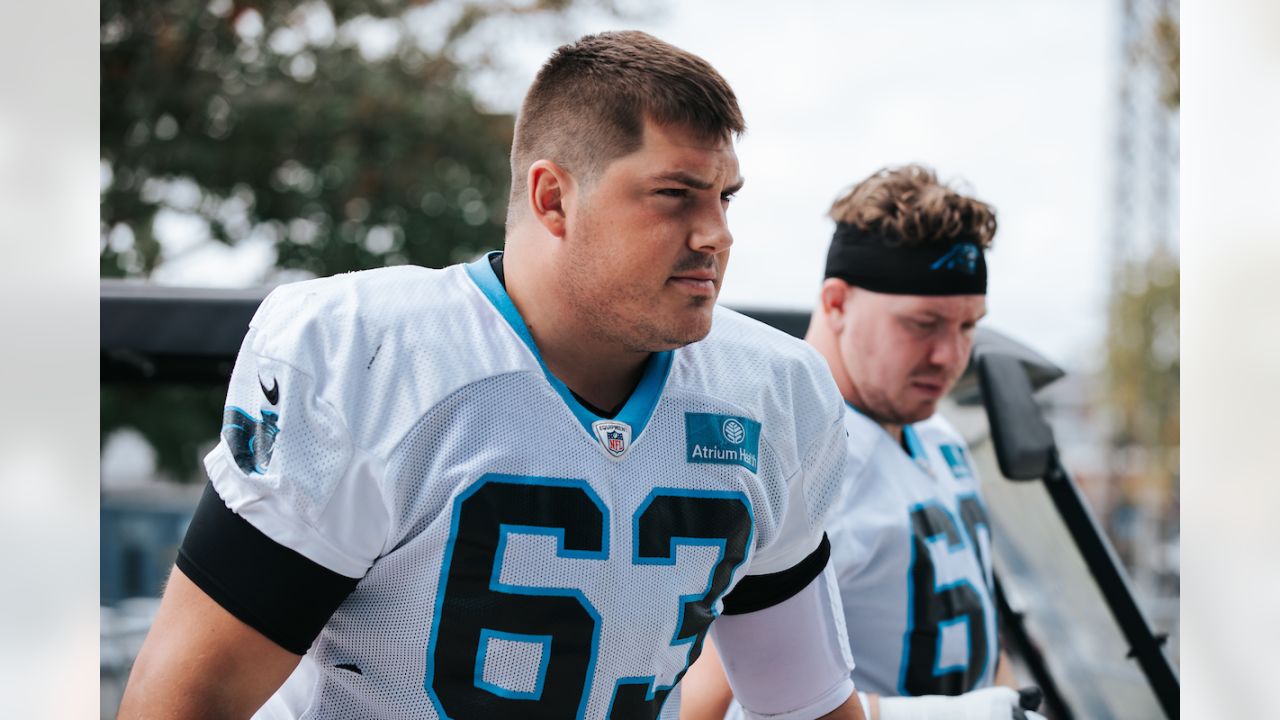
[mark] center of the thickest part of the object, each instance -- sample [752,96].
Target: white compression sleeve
[790,661]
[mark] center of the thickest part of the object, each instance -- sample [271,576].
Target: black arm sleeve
[757,592]
[273,589]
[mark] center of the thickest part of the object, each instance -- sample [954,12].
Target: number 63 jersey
[910,544]
[413,501]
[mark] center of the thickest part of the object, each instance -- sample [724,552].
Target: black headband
[861,258]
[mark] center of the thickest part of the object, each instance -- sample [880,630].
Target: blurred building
[141,528]
[140,533]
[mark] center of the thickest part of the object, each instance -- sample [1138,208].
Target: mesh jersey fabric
[911,547]
[422,447]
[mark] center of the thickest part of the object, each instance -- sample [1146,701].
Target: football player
[525,487]
[905,286]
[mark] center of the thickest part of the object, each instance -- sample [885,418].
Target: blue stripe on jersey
[914,446]
[638,408]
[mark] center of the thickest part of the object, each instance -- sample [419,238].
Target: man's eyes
[930,326]
[925,325]
[684,193]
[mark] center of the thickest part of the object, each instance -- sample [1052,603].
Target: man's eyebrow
[684,178]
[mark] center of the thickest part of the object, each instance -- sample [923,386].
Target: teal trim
[915,449]
[644,398]
[544,658]
[914,446]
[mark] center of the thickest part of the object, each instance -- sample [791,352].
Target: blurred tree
[1142,365]
[179,421]
[1142,362]
[1166,44]
[343,133]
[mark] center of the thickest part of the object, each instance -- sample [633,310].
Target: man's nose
[711,235]
[950,351]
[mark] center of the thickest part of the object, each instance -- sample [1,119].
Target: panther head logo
[251,440]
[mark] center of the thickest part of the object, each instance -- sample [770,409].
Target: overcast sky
[1013,98]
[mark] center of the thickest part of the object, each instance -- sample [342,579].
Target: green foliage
[181,422]
[1167,44]
[1143,369]
[266,119]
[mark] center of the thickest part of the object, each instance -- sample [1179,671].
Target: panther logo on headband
[962,257]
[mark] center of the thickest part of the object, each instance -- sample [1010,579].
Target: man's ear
[550,189]
[836,294]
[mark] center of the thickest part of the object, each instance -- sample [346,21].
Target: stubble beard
[889,415]
[606,317]
[915,417]
[623,314]
[885,410]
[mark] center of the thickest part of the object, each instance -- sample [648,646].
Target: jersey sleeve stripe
[273,589]
[757,592]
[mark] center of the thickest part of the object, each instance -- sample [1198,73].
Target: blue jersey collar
[644,398]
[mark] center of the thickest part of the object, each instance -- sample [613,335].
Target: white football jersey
[912,550]
[518,555]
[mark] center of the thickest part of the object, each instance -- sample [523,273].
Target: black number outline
[637,697]
[930,520]
[496,587]
[696,609]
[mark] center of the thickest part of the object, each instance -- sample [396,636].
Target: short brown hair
[909,206]
[589,102]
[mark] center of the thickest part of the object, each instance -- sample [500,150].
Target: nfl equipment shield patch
[614,436]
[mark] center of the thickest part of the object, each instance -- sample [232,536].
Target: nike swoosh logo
[273,395]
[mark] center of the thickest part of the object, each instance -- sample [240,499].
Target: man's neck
[599,372]
[598,380]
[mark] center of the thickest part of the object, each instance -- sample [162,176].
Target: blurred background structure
[247,144]
[1138,495]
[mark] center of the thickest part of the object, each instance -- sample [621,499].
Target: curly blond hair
[910,207]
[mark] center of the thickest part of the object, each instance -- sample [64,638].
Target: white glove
[993,703]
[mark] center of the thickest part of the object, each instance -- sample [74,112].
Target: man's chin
[922,412]
[686,333]
[914,413]
[680,340]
